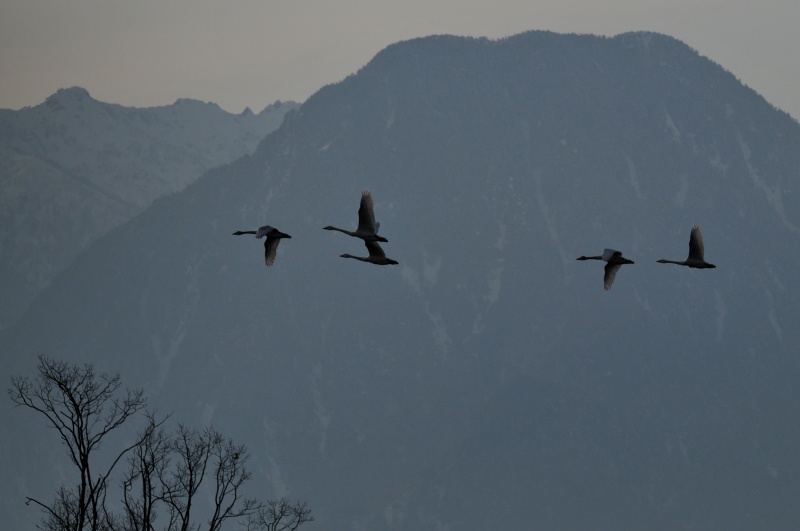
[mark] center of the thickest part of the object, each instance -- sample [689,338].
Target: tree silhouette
[279,515]
[84,408]
[165,473]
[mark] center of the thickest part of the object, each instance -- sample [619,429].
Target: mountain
[487,381]
[73,168]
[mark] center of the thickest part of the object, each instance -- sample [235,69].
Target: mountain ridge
[73,167]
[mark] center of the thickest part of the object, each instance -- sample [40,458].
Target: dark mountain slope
[488,381]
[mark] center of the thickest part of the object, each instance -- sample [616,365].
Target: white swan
[376,255]
[695,258]
[614,260]
[367,227]
[270,244]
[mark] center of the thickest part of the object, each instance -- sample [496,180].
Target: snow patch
[717,164]
[279,487]
[633,177]
[676,135]
[774,277]
[501,240]
[549,220]
[440,336]
[411,277]
[772,193]
[495,281]
[680,198]
[773,320]
[166,357]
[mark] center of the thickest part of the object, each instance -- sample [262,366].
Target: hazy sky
[243,53]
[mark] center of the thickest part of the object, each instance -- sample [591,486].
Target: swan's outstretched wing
[366,215]
[270,250]
[375,249]
[611,273]
[696,244]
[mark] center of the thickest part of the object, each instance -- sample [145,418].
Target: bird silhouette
[270,244]
[614,260]
[376,255]
[696,251]
[367,227]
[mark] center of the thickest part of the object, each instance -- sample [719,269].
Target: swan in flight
[695,258]
[376,255]
[270,244]
[367,227]
[614,260]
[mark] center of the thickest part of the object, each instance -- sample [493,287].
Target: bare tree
[165,472]
[196,453]
[83,408]
[229,476]
[181,484]
[279,515]
[171,472]
[141,489]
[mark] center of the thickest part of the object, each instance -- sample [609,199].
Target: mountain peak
[69,96]
[189,102]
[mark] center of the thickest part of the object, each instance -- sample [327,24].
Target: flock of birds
[368,231]
[614,259]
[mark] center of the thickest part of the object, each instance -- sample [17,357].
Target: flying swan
[367,227]
[614,261]
[376,255]
[695,258]
[270,244]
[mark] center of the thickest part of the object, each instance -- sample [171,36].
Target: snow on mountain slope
[73,168]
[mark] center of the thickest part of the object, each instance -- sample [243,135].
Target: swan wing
[375,249]
[611,274]
[696,244]
[366,215]
[270,250]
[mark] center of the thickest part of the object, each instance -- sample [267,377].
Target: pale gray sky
[243,53]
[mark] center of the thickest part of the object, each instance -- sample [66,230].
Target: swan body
[367,226]
[274,237]
[614,260]
[376,255]
[696,251]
